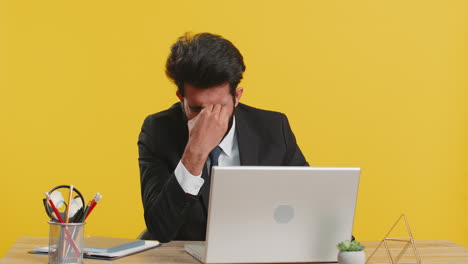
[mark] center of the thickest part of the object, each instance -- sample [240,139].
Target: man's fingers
[219,112]
[224,113]
[209,107]
[216,109]
[209,126]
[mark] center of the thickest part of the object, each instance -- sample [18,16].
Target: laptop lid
[279,214]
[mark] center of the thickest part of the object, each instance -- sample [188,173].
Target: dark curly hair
[204,60]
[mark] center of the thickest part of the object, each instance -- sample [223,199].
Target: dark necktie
[214,156]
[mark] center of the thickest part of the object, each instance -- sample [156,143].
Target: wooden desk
[432,252]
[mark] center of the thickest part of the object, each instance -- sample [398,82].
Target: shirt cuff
[190,184]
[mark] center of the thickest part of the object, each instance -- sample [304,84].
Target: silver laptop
[278,214]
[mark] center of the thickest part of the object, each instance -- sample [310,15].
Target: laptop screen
[279,214]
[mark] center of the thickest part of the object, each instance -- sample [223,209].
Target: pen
[77,250]
[57,213]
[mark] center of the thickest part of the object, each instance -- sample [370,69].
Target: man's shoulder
[250,112]
[173,112]
[171,118]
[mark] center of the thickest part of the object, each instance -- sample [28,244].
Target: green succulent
[350,246]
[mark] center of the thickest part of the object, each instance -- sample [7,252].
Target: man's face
[195,99]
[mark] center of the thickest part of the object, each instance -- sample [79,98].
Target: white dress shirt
[229,156]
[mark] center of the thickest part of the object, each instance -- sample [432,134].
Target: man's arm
[165,203]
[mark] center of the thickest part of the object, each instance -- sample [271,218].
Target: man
[207,127]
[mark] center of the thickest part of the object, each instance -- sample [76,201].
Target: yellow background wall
[375,84]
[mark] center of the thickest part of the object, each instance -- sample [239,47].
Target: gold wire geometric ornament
[409,241]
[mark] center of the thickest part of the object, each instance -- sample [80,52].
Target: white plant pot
[351,257]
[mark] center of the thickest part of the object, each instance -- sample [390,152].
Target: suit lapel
[247,139]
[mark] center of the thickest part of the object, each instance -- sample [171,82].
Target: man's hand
[206,131]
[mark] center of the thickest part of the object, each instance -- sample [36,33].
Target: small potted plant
[351,252]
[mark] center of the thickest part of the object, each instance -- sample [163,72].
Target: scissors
[59,195]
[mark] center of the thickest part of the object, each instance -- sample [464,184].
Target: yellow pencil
[67,213]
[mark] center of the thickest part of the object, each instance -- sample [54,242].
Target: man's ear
[239,91]
[181,98]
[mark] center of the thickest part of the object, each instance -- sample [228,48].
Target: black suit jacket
[264,139]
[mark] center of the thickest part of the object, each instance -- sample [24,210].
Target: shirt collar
[227,144]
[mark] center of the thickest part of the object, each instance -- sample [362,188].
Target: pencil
[85,212]
[67,214]
[93,204]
